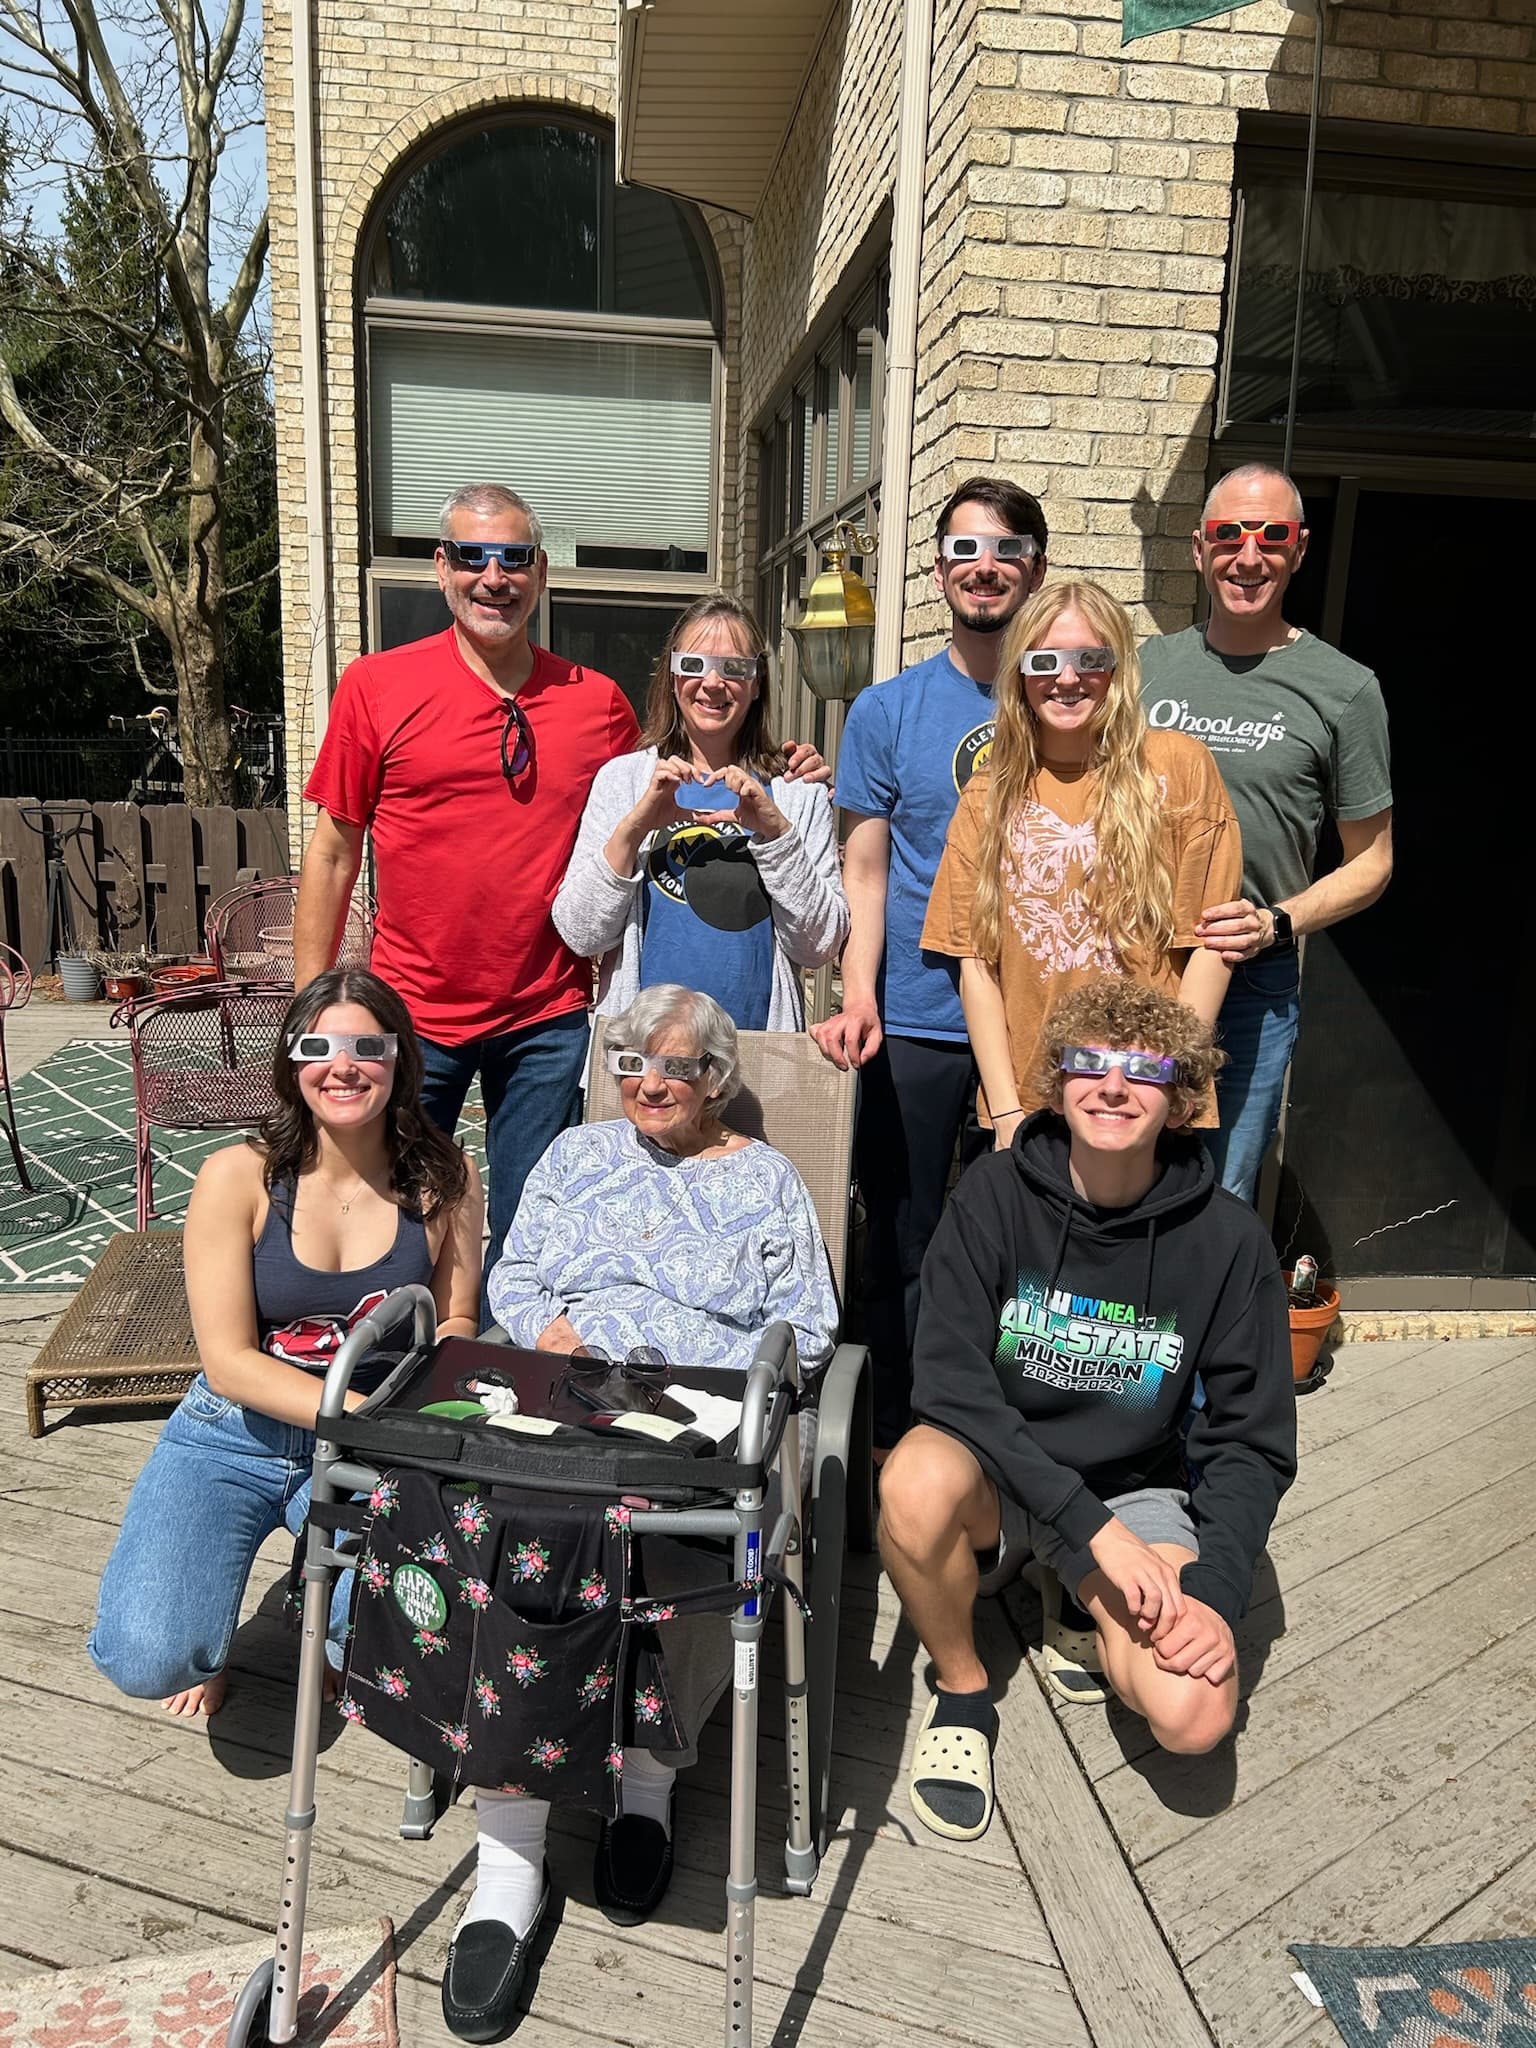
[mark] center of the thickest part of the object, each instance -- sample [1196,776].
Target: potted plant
[79,976]
[182,974]
[124,975]
[1314,1309]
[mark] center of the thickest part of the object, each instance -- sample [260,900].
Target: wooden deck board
[1341,1819]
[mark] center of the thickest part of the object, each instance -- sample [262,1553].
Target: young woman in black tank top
[346,1194]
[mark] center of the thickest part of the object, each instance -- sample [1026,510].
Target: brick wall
[389,78]
[1075,331]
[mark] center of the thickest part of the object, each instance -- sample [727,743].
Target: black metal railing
[128,768]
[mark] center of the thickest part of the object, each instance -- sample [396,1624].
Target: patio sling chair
[15,990]
[249,931]
[202,1061]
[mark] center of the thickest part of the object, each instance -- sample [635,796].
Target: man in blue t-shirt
[909,747]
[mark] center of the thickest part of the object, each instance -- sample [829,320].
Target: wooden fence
[133,875]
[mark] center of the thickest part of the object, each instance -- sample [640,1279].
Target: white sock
[509,1875]
[648,1787]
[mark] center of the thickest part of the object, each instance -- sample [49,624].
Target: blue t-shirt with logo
[909,747]
[706,919]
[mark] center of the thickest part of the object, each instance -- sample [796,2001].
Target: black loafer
[633,1867]
[483,1977]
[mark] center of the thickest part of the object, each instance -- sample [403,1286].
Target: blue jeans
[217,1484]
[531,1081]
[1257,1031]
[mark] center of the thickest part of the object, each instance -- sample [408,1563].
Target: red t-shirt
[468,863]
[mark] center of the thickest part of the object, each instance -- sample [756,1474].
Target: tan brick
[1117,195]
[1008,187]
[1101,415]
[1072,75]
[1361,61]
[984,225]
[1051,302]
[1049,446]
[1373,103]
[978,295]
[1207,237]
[1062,153]
[1134,380]
[1184,348]
[1204,124]
[1440,74]
[996,68]
[1194,388]
[1483,38]
[1040,32]
[1386,31]
[1099,266]
[1144,231]
[975,375]
[1051,378]
[1168,83]
[1104,345]
[1142,309]
[1010,261]
[1010,409]
[1151,160]
[1193,274]
[1451,110]
[1004,337]
[1209,202]
[1212,164]
[1227,51]
[1519,80]
[1083,230]
[988,147]
[1121,117]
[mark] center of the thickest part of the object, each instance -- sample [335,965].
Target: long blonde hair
[1131,888]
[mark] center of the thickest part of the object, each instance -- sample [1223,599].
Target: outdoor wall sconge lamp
[835,636]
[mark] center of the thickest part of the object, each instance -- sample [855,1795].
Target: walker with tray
[492,1478]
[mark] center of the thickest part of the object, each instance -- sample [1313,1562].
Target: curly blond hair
[1121,1014]
[1131,891]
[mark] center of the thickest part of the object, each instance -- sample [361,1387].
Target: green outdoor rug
[75,1116]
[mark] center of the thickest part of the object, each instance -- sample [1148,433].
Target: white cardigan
[597,912]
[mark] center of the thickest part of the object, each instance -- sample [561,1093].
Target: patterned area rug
[75,1115]
[1479,1994]
[347,1998]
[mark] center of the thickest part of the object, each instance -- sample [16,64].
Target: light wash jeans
[220,1480]
[1257,1032]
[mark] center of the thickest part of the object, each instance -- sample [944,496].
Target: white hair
[669,1007]
[486,500]
[1252,473]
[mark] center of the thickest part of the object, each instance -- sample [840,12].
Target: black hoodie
[1060,1342]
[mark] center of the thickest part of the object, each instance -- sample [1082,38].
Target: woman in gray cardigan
[702,859]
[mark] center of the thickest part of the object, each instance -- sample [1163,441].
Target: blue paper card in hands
[705,796]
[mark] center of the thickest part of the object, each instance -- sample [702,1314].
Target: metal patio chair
[15,992]
[202,1061]
[249,930]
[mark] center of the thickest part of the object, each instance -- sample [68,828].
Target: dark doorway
[1410,1139]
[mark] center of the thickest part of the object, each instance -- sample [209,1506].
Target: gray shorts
[1157,1514]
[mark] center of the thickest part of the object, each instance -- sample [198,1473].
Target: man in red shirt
[469,757]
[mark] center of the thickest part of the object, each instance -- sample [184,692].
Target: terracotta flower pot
[1309,1326]
[165,980]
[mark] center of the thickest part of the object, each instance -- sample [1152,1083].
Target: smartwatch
[1282,922]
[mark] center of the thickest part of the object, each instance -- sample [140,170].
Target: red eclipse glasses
[1275,533]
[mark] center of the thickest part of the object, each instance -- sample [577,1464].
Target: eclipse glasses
[476,554]
[1271,533]
[672,1066]
[1159,1067]
[307,1046]
[1050,661]
[1002,547]
[731,668]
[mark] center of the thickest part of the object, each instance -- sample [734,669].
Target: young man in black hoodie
[1077,1283]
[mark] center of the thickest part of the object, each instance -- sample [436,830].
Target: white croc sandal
[1069,1656]
[957,1760]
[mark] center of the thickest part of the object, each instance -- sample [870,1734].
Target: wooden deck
[1381,1790]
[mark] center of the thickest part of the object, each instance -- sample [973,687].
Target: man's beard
[987,622]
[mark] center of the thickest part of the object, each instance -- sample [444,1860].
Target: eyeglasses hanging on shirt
[516,744]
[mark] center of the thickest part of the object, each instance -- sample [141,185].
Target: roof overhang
[707,90]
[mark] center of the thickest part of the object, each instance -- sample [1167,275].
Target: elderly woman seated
[663,1228]
[666,1228]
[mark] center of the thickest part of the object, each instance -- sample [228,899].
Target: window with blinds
[611,441]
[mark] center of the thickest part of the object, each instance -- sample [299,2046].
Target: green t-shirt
[1297,733]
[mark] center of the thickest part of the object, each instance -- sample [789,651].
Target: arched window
[528,322]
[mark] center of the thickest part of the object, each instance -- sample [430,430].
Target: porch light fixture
[835,636]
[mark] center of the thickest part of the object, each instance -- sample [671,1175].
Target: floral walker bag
[495,1638]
